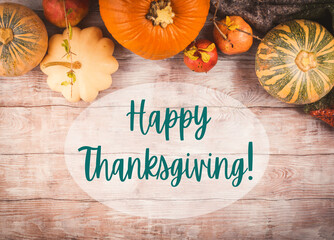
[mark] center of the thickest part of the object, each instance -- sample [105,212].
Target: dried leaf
[210,48]
[72,76]
[190,53]
[228,20]
[205,57]
[230,24]
[74,79]
[233,27]
[66,46]
[65,83]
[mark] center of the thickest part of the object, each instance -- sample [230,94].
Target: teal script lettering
[184,118]
[157,167]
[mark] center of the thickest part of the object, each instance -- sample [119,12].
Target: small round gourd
[295,62]
[23,39]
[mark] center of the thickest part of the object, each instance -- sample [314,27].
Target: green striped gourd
[295,62]
[23,39]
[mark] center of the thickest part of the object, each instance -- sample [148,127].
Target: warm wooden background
[39,199]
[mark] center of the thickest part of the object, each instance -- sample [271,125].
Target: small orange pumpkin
[237,41]
[154,29]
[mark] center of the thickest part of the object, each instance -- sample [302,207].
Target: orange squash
[154,29]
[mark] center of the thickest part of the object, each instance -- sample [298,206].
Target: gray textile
[263,15]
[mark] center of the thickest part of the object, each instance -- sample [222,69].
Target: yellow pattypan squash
[92,63]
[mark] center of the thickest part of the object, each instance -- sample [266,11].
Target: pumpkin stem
[161,13]
[75,65]
[6,35]
[306,60]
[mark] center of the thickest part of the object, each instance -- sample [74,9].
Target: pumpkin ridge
[18,49]
[26,48]
[15,53]
[306,34]
[324,77]
[286,51]
[324,50]
[319,39]
[11,17]
[300,35]
[296,91]
[318,85]
[27,37]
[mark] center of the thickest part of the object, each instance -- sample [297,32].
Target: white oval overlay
[105,123]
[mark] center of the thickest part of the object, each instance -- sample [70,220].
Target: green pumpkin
[23,39]
[295,62]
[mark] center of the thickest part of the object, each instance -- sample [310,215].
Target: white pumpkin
[92,63]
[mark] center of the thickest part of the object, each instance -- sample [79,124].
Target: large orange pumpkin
[154,29]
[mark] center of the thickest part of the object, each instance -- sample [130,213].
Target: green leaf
[66,45]
[72,76]
[70,33]
[210,48]
[65,83]
[205,57]
[69,11]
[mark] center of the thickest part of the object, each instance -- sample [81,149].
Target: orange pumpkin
[154,29]
[237,42]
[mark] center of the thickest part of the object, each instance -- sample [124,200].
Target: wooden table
[39,199]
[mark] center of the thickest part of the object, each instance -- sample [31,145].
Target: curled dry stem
[240,30]
[217,4]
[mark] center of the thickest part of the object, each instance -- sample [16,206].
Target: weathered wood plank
[302,219]
[45,176]
[43,130]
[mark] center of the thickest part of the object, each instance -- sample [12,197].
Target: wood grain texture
[40,200]
[285,179]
